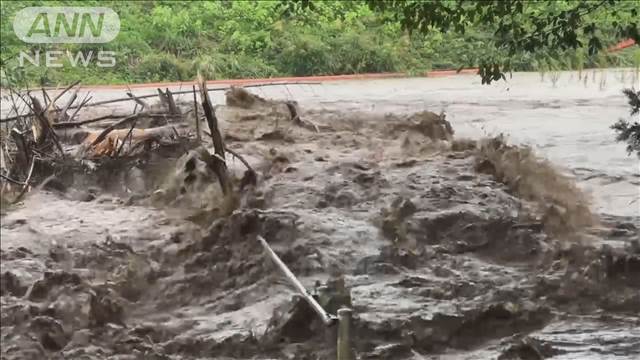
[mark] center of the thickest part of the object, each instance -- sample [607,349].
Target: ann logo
[56,25]
[87,21]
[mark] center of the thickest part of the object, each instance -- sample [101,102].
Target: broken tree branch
[11,180]
[109,116]
[25,187]
[218,144]
[46,128]
[252,172]
[173,109]
[15,107]
[111,127]
[45,98]
[163,99]
[83,103]
[64,117]
[295,116]
[65,90]
[129,136]
[139,101]
[239,157]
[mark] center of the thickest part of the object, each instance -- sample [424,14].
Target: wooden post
[344,340]
[173,108]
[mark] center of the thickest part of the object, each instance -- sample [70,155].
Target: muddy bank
[439,255]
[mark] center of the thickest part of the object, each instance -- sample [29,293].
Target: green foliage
[173,40]
[634,100]
[629,131]
[163,66]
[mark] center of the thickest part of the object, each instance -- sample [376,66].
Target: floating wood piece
[295,116]
[293,111]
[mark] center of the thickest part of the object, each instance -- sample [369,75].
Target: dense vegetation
[522,29]
[173,40]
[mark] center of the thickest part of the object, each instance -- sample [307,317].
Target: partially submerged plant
[629,131]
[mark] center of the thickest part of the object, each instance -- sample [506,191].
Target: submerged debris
[239,97]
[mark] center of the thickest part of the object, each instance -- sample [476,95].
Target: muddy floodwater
[446,245]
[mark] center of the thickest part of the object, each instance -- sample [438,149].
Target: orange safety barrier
[289,79]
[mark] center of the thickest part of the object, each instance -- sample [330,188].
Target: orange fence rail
[293,79]
[622,45]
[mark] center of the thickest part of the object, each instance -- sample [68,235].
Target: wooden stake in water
[344,337]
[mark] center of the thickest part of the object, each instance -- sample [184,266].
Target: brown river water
[442,261]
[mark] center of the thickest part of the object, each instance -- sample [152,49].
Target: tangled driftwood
[39,134]
[48,132]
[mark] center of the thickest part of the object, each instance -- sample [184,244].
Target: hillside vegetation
[173,40]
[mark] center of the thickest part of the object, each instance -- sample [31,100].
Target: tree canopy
[521,27]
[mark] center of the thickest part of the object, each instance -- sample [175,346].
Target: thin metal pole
[326,318]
